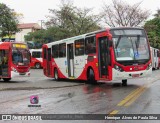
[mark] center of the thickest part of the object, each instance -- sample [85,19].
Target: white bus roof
[154,48]
[31,50]
[88,34]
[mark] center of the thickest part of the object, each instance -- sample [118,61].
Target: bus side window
[62,50]
[40,54]
[36,54]
[5,56]
[55,51]
[44,55]
[158,53]
[154,52]
[79,47]
[90,45]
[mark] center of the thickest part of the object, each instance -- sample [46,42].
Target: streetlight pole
[42,21]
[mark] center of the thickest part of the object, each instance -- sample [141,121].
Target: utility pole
[42,21]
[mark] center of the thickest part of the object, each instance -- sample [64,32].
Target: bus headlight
[118,68]
[28,70]
[149,66]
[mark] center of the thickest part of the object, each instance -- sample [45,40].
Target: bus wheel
[124,82]
[6,79]
[56,74]
[37,65]
[91,77]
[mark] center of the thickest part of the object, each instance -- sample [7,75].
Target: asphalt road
[141,96]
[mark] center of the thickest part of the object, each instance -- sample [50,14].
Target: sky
[35,10]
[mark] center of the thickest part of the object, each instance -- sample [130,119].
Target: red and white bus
[14,60]
[36,58]
[155,54]
[105,55]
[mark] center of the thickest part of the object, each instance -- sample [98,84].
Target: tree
[152,28]
[18,16]
[120,13]
[40,37]
[70,21]
[8,21]
[157,14]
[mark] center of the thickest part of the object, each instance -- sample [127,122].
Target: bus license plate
[22,73]
[135,75]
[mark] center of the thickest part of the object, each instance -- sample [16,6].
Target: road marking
[135,97]
[113,112]
[128,100]
[130,96]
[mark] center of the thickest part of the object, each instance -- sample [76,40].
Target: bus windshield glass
[20,55]
[131,46]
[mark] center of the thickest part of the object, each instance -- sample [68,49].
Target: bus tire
[124,82]
[6,79]
[56,74]
[37,65]
[91,76]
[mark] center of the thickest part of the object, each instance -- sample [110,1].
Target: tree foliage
[153,30]
[8,21]
[67,21]
[70,21]
[39,37]
[157,14]
[120,13]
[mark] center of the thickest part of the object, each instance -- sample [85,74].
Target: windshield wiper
[137,45]
[137,42]
[19,53]
[119,38]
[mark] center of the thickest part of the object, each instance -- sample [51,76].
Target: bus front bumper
[16,74]
[117,75]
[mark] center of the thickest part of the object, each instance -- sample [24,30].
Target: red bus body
[103,63]
[14,67]
[36,58]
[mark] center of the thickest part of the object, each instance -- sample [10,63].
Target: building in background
[25,29]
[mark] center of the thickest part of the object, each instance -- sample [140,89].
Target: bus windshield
[21,56]
[129,48]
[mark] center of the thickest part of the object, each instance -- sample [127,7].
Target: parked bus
[105,55]
[36,58]
[155,53]
[14,60]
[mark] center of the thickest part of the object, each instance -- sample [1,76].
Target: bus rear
[15,60]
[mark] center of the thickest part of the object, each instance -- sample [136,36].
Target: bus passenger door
[70,60]
[4,63]
[49,61]
[103,57]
